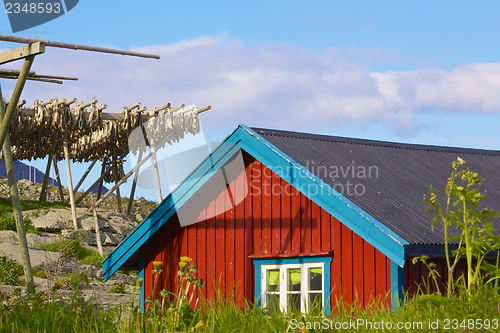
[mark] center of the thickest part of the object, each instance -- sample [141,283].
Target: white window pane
[273,280]
[315,279]
[315,301]
[273,302]
[294,302]
[293,279]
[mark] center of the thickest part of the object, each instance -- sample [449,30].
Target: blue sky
[409,71]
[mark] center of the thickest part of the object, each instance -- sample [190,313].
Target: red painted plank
[174,254]
[369,273]
[229,215]
[413,277]
[425,279]
[276,213]
[325,231]
[249,279]
[163,240]
[148,280]
[358,268]
[305,224]
[257,206]
[388,281]
[316,227]
[336,269]
[201,258]
[286,218]
[266,209]
[211,255]
[347,277]
[220,238]
[295,214]
[380,274]
[239,234]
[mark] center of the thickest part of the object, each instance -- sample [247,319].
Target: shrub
[118,288]
[9,271]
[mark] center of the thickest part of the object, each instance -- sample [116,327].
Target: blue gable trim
[326,260]
[367,227]
[142,266]
[397,285]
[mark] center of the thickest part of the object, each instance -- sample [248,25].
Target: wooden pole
[70,182]
[99,192]
[59,185]
[134,184]
[85,175]
[124,179]
[115,174]
[53,143]
[16,204]
[4,128]
[94,185]
[157,175]
[16,39]
[97,230]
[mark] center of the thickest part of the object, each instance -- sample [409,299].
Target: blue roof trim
[367,227]
[356,219]
[167,208]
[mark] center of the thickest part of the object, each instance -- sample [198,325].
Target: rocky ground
[57,224]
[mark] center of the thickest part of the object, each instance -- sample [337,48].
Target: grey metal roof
[401,175]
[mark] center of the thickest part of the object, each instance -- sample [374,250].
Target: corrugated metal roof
[389,180]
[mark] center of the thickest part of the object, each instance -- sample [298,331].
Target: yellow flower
[58,284]
[200,324]
[139,281]
[157,264]
[186,259]
[43,298]
[303,330]
[182,264]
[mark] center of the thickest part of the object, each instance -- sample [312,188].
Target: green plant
[118,288]
[73,280]
[9,223]
[9,271]
[39,273]
[476,238]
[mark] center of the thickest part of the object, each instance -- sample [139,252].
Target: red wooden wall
[417,275]
[272,219]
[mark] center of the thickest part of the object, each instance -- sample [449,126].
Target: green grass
[7,221]
[118,288]
[74,248]
[9,271]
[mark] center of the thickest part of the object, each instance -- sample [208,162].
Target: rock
[8,236]
[44,238]
[112,239]
[85,236]
[88,223]
[54,221]
[139,217]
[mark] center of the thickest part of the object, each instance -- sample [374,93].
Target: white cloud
[270,85]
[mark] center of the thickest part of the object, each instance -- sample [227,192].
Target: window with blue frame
[293,284]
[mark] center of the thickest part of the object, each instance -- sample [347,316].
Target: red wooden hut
[290,218]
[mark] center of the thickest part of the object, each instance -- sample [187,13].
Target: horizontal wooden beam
[14,71]
[16,39]
[32,78]
[7,73]
[114,116]
[22,52]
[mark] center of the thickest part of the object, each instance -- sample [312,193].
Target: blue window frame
[293,282]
